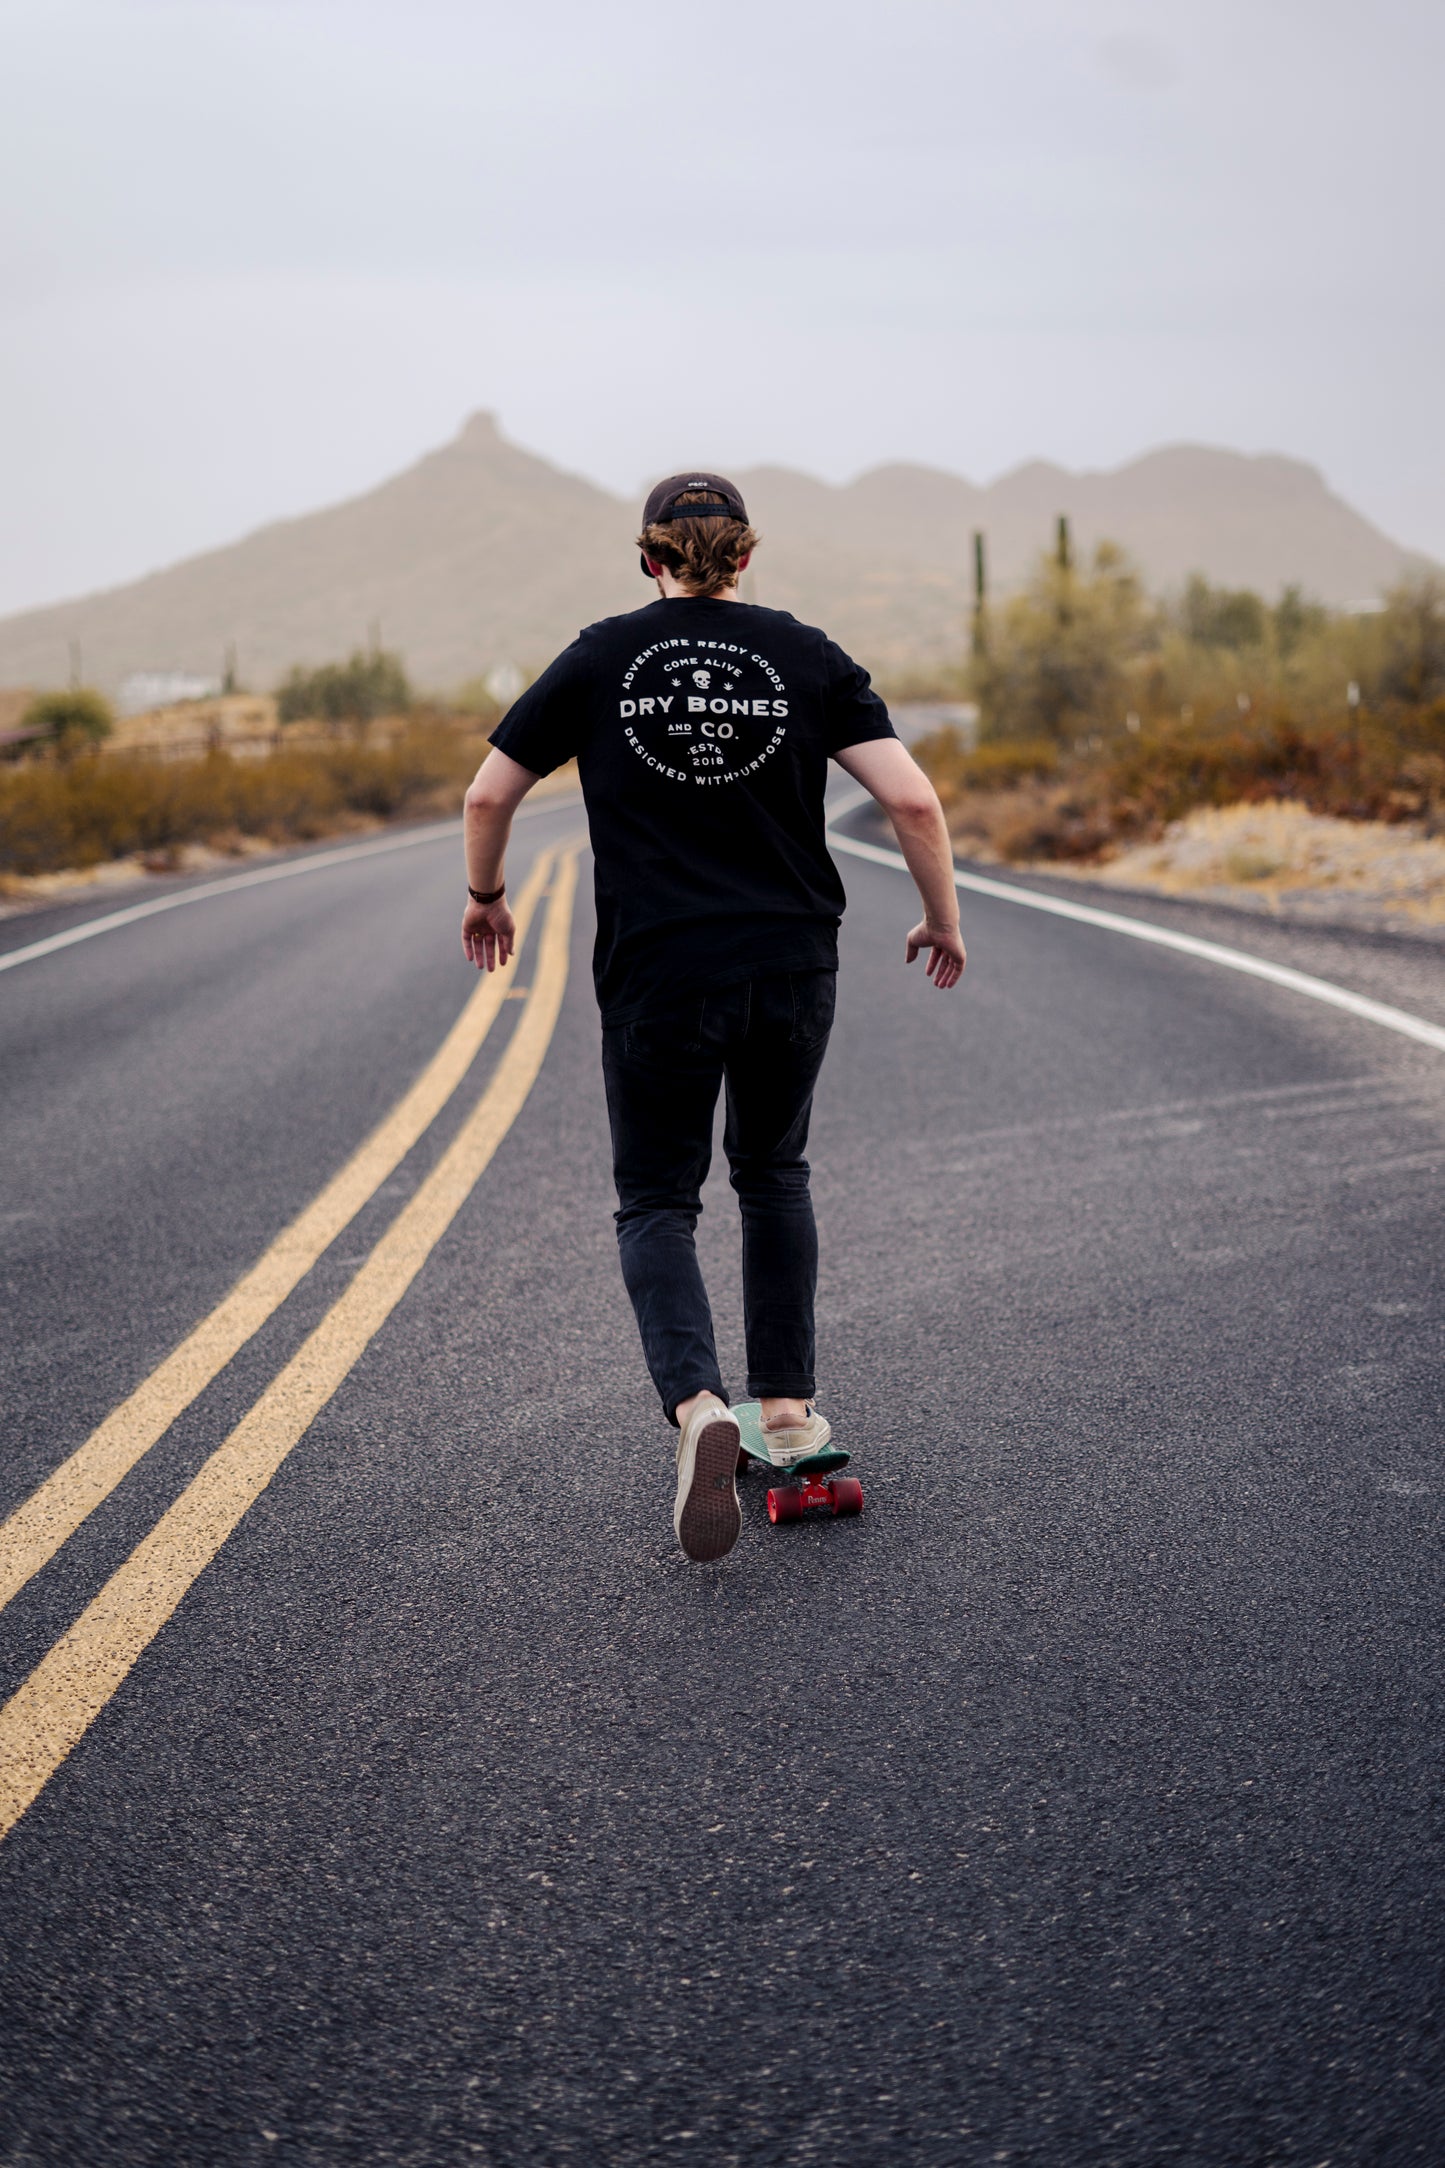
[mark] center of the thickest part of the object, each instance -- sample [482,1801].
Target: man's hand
[947,954]
[488,934]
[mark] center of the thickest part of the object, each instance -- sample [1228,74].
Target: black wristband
[493,895]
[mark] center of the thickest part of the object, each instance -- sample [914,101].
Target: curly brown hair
[705,555]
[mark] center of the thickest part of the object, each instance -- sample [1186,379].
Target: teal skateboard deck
[800,1485]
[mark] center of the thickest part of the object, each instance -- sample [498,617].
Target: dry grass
[111,806]
[1276,851]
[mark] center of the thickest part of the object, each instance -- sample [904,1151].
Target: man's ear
[649,569]
[744,562]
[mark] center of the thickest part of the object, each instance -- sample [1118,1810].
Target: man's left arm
[493,796]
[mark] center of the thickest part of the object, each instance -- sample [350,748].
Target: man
[702,727]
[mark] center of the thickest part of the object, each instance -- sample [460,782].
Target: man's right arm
[889,772]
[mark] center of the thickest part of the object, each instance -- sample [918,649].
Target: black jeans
[767,1037]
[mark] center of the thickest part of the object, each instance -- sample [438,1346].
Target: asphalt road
[1080,1803]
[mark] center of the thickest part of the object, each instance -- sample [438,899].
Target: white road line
[434,832]
[1142,929]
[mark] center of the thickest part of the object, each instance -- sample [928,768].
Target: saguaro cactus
[980,594]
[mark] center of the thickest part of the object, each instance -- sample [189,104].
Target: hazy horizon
[258,257]
[626,494]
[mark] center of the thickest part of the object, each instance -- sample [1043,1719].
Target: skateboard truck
[810,1485]
[835,1493]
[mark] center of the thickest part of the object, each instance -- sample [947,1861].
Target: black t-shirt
[702,733]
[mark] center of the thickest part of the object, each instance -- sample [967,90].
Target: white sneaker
[798,1440]
[707,1516]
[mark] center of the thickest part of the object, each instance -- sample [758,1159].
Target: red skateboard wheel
[784,1505]
[847,1494]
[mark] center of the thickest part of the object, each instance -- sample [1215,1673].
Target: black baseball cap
[662,507]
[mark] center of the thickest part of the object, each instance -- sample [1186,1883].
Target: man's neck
[673,591]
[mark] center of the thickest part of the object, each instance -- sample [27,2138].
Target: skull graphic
[702,679]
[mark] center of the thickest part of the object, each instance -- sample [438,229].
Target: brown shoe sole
[711,1520]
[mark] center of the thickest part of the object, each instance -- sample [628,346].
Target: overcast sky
[258,254]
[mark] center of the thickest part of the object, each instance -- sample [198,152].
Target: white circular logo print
[703,711]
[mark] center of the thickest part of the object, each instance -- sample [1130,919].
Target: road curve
[1077,1804]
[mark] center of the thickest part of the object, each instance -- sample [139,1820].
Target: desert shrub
[1412,642]
[97,808]
[355,691]
[1105,717]
[1386,764]
[1232,617]
[1065,651]
[1296,620]
[69,722]
[998,764]
[1395,656]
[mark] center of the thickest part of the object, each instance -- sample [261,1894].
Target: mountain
[474,554]
[483,553]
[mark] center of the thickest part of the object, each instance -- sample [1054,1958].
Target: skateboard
[802,1485]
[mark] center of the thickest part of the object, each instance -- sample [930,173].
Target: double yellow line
[73,1682]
